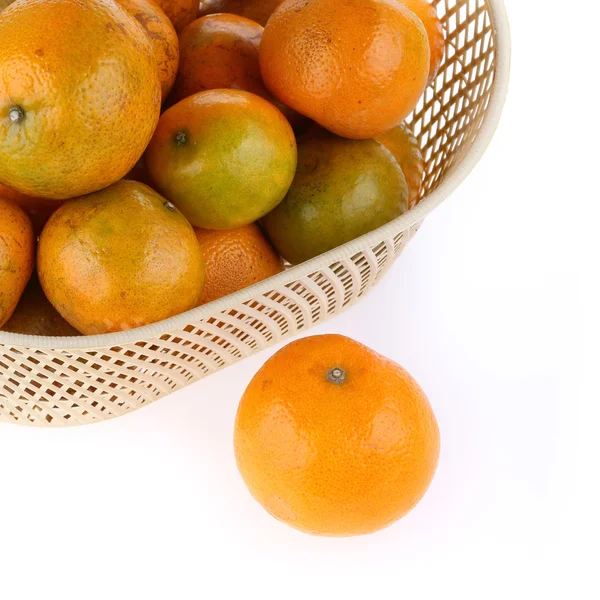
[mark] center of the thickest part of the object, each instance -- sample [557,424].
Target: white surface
[487,309]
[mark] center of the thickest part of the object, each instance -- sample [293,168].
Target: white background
[489,309]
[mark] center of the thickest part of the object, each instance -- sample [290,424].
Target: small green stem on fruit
[170,206]
[16,114]
[181,138]
[337,375]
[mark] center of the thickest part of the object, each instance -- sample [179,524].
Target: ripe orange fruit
[257,10]
[35,315]
[235,259]
[39,210]
[180,12]
[335,439]
[225,158]
[17,250]
[163,36]
[356,68]
[219,51]
[405,148]
[435,31]
[121,258]
[79,96]
[342,190]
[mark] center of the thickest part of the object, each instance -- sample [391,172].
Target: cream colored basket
[72,381]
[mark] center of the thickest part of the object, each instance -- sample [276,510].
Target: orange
[225,158]
[163,37]
[38,209]
[79,96]
[405,148]
[17,250]
[118,259]
[180,12]
[342,190]
[435,31]
[356,68]
[35,315]
[235,259]
[257,10]
[335,439]
[219,51]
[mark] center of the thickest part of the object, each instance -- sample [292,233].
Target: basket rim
[452,180]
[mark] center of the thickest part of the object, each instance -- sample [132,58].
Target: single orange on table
[257,10]
[163,36]
[426,12]
[225,158]
[405,148]
[79,96]
[356,68]
[17,255]
[335,439]
[180,12]
[235,259]
[120,258]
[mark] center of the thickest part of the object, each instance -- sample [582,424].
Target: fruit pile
[170,152]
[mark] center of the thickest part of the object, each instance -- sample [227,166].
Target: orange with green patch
[225,158]
[118,259]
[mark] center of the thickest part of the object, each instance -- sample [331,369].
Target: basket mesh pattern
[62,386]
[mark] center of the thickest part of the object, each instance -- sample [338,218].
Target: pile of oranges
[170,152]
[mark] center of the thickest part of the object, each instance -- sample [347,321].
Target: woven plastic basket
[71,381]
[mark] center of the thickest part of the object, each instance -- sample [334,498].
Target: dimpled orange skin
[35,315]
[332,458]
[180,12]
[163,36]
[257,10]
[405,148]
[225,158]
[219,51]
[17,253]
[356,67]
[118,259]
[435,32]
[39,210]
[235,259]
[79,96]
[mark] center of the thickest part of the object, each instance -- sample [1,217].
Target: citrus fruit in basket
[405,148]
[38,209]
[356,68]
[427,14]
[342,190]
[17,254]
[235,259]
[180,12]
[79,96]
[163,36]
[118,259]
[335,439]
[224,157]
[257,10]
[35,315]
[219,51]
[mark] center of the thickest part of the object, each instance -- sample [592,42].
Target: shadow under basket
[73,381]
